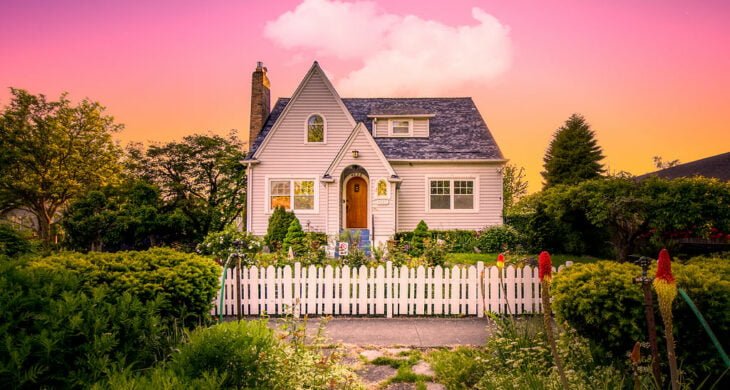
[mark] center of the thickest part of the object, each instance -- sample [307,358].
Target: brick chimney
[260,101]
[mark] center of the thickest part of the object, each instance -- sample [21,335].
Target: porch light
[355,154]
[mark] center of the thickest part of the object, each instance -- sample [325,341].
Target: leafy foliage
[201,175]
[51,152]
[220,245]
[517,356]
[514,186]
[246,351]
[622,215]
[498,239]
[184,283]
[58,332]
[601,302]
[129,216]
[279,223]
[573,155]
[14,242]
[249,354]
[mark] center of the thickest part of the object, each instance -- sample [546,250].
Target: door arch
[356,203]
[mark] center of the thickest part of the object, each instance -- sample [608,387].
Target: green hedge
[600,301]
[185,283]
[57,333]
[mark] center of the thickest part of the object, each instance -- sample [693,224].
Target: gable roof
[360,128]
[715,166]
[314,69]
[457,130]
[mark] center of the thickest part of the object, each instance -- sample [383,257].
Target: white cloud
[401,55]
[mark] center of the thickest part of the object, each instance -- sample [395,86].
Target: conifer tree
[295,238]
[573,155]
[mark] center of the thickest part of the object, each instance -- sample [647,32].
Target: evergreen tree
[295,238]
[420,234]
[279,222]
[573,155]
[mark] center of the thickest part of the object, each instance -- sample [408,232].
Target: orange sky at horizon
[652,79]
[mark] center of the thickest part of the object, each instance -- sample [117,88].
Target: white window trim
[410,127]
[451,178]
[324,130]
[267,201]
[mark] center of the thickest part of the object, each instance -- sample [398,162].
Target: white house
[376,164]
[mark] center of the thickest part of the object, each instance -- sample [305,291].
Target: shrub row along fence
[381,291]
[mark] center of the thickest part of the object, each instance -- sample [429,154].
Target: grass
[404,363]
[490,259]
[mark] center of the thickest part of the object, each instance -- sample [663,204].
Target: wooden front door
[356,203]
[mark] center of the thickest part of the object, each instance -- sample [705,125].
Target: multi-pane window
[296,193]
[315,128]
[400,127]
[448,194]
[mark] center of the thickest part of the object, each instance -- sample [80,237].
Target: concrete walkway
[420,332]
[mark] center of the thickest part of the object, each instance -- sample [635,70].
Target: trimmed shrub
[498,239]
[420,234]
[295,238]
[601,302]
[185,283]
[57,333]
[279,222]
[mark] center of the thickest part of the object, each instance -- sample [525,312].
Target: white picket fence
[382,291]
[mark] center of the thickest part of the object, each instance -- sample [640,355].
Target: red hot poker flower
[500,261]
[664,267]
[545,266]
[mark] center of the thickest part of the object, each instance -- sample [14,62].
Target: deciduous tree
[53,151]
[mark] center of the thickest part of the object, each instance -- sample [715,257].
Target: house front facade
[377,165]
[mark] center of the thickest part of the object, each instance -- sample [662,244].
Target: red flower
[545,266]
[500,261]
[664,267]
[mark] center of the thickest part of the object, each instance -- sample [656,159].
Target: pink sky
[651,77]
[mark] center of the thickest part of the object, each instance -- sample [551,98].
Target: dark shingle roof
[456,132]
[716,166]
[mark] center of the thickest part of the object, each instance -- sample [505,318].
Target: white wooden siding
[383,291]
[286,154]
[420,127]
[412,195]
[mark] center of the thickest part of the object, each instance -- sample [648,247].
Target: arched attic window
[315,129]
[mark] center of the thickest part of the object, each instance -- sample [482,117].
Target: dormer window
[315,129]
[400,127]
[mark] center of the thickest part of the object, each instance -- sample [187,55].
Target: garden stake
[223,287]
[666,291]
[645,280]
[705,325]
[237,244]
[545,272]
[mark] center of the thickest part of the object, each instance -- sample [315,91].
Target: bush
[498,239]
[14,242]
[601,302]
[220,245]
[185,283]
[59,333]
[247,352]
[279,222]
[434,252]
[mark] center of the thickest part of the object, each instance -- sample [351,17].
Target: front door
[356,203]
